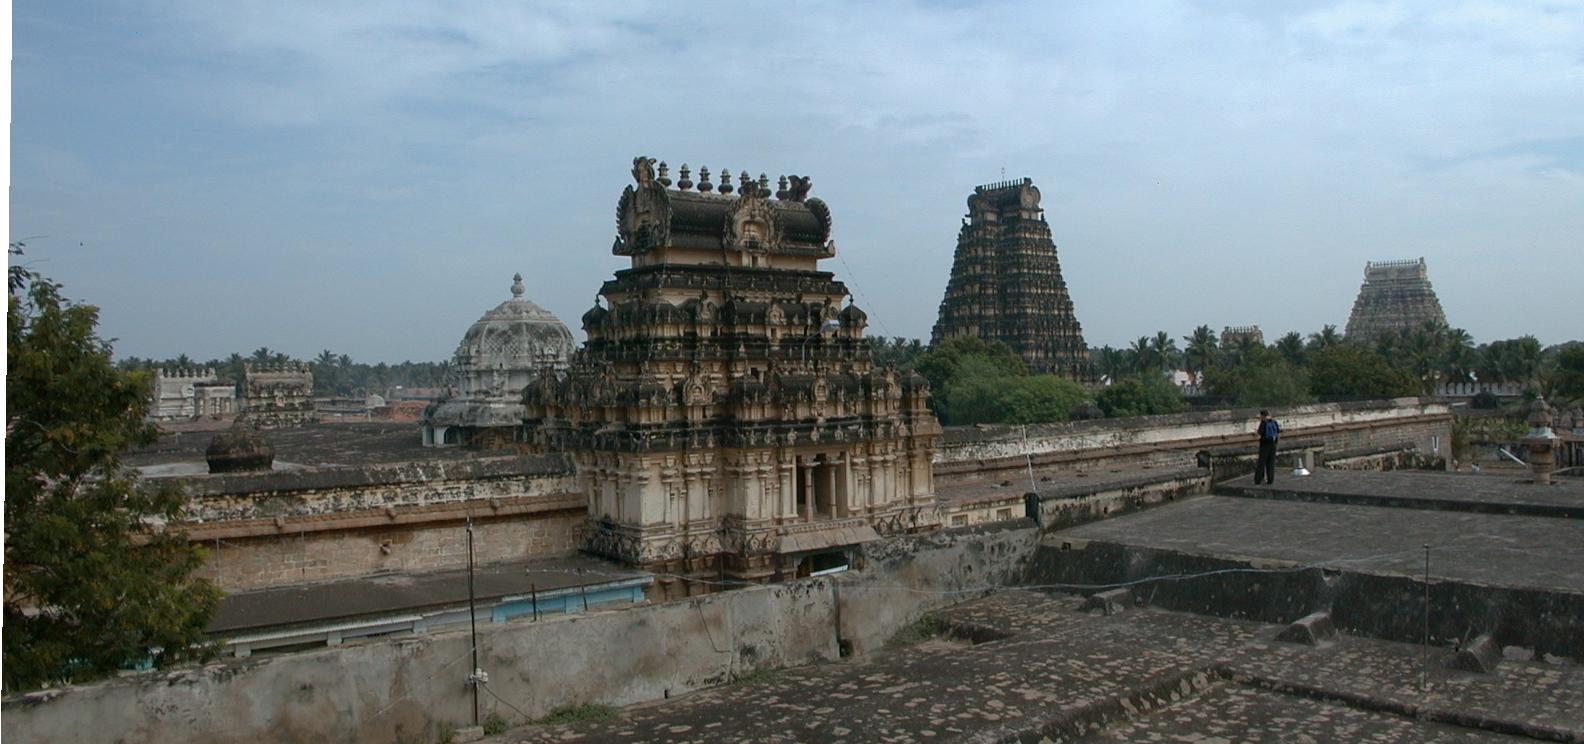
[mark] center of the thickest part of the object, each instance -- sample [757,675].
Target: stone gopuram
[1006,283]
[1396,296]
[724,414]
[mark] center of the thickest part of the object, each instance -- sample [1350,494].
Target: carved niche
[751,223]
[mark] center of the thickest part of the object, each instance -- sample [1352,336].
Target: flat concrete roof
[373,596]
[312,445]
[1046,669]
[1488,549]
[1490,492]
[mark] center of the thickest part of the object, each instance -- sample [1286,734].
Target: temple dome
[509,345]
[498,356]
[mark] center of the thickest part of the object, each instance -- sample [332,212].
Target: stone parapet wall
[413,688]
[242,564]
[1171,441]
[317,524]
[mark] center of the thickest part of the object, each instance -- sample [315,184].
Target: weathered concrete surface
[1488,549]
[1485,494]
[387,689]
[1051,671]
[905,577]
[1513,577]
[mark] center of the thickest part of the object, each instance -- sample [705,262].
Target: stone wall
[413,688]
[1346,430]
[244,563]
[315,524]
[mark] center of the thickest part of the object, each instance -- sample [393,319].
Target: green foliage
[1351,370]
[1142,395]
[89,588]
[494,724]
[1261,377]
[918,631]
[575,714]
[942,362]
[1568,374]
[978,395]
[898,353]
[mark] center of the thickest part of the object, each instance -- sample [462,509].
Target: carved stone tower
[1396,296]
[724,414]
[1006,283]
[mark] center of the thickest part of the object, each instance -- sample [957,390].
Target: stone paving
[1024,666]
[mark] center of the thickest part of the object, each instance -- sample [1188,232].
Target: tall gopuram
[1006,283]
[724,414]
[1396,296]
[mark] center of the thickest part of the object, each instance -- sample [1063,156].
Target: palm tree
[1143,356]
[262,354]
[1291,347]
[1113,363]
[1200,352]
[1164,347]
[1326,338]
[1461,358]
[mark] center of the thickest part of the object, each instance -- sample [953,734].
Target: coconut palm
[1200,353]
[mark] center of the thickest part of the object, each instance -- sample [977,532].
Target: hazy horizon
[366,178]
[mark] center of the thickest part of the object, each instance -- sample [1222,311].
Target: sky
[365,177]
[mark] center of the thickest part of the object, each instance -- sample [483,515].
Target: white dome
[498,356]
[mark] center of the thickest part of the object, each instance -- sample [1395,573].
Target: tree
[979,394]
[1163,349]
[1113,363]
[1326,338]
[1349,370]
[1144,395]
[1259,376]
[1200,353]
[941,363]
[1291,347]
[1568,374]
[89,586]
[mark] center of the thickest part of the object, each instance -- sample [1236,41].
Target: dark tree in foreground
[92,582]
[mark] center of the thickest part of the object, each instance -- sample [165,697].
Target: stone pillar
[1541,441]
[830,481]
[808,490]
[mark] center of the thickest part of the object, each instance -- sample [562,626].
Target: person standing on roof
[1269,431]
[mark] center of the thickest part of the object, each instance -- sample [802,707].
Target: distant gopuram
[725,415]
[1006,283]
[1396,296]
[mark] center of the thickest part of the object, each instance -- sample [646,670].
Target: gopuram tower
[1396,296]
[725,415]
[1006,283]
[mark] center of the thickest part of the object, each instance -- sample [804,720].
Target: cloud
[416,151]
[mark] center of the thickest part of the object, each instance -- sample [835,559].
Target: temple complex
[1232,336]
[189,393]
[498,356]
[724,414]
[1006,283]
[278,395]
[1396,296]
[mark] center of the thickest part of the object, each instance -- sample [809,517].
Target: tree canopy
[92,582]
